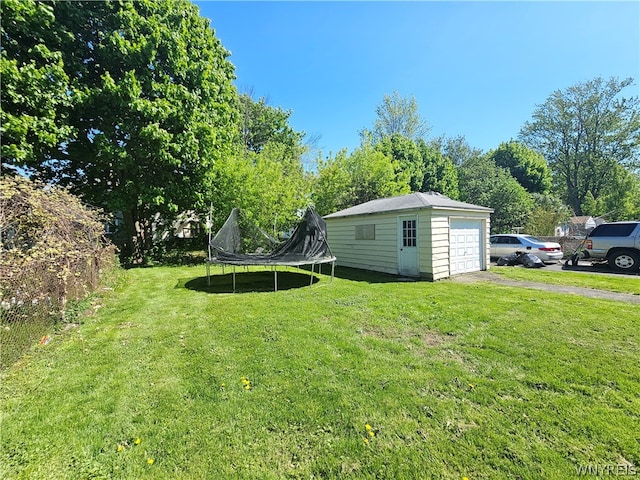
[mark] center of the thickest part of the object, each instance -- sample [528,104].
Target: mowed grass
[362,377]
[610,282]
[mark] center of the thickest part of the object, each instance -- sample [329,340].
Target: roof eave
[367,214]
[411,209]
[464,209]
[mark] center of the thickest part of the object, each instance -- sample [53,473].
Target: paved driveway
[588,267]
[582,267]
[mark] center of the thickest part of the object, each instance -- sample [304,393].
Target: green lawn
[362,377]
[614,283]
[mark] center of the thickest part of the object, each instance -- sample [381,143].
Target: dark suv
[616,242]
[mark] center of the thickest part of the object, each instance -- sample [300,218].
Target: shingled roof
[413,201]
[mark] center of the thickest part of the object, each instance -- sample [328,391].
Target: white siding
[438,267]
[424,244]
[380,255]
[440,245]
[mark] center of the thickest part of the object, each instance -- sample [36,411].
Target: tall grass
[362,377]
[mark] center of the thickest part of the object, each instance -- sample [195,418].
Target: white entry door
[408,246]
[465,246]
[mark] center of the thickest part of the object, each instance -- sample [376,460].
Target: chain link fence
[35,302]
[52,254]
[568,244]
[26,316]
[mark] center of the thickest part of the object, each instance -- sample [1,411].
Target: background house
[576,227]
[420,235]
[187,225]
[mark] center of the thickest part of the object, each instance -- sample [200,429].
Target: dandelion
[370,430]
[246,382]
[465,478]
[137,441]
[366,440]
[120,448]
[150,461]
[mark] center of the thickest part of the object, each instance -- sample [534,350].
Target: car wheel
[624,260]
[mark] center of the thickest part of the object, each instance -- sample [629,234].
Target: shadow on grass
[359,275]
[247,282]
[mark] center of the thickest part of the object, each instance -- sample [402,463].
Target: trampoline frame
[210,262]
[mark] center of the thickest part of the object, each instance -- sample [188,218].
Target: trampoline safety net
[239,242]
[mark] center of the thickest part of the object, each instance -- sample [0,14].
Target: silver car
[506,244]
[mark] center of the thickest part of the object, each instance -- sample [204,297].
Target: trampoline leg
[208,275]
[275,280]
[311,276]
[233,274]
[333,266]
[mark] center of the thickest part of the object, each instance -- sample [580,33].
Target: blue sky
[476,69]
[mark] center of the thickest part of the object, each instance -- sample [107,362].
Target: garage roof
[417,200]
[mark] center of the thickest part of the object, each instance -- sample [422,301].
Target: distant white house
[186,225]
[421,235]
[577,226]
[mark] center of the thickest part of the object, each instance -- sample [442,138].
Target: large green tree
[150,103]
[262,123]
[271,186]
[407,156]
[35,100]
[482,182]
[621,202]
[270,183]
[548,212]
[347,180]
[456,149]
[439,172]
[425,166]
[332,181]
[398,115]
[585,132]
[525,165]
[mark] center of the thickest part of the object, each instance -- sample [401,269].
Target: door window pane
[409,233]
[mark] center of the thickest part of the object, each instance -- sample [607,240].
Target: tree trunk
[133,248]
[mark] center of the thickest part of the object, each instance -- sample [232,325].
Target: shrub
[52,251]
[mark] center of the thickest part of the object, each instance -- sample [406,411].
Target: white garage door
[465,251]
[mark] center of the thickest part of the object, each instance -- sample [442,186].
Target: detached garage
[419,235]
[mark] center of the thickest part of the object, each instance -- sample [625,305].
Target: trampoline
[239,243]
